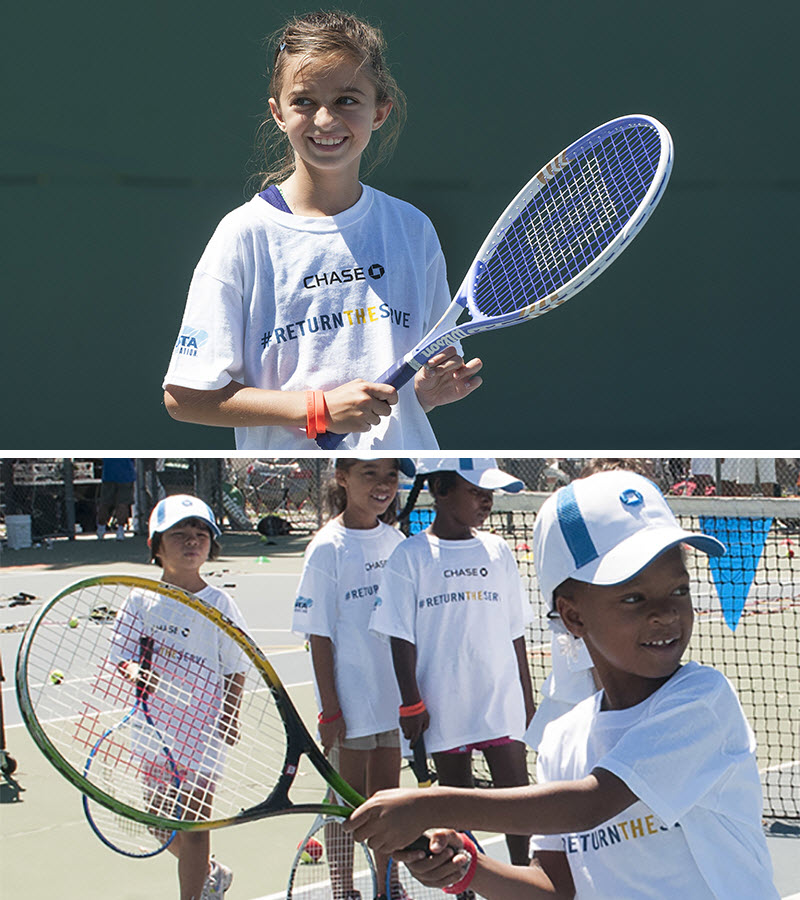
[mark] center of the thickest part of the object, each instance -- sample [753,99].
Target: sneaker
[120,533]
[218,881]
[101,532]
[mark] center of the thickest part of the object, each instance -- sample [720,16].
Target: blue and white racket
[116,831]
[569,222]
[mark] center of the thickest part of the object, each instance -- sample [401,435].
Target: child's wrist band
[328,721]
[320,411]
[316,412]
[311,419]
[465,882]
[414,710]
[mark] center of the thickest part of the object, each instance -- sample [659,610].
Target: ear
[570,614]
[276,113]
[381,114]
[340,477]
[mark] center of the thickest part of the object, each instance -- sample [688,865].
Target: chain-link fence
[43,498]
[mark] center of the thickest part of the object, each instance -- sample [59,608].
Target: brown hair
[334,496]
[322,37]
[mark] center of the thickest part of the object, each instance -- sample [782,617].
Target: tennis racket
[116,831]
[230,727]
[329,863]
[568,223]
[400,883]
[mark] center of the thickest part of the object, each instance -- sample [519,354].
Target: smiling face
[637,631]
[328,110]
[371,487]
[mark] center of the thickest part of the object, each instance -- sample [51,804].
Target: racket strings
[569,220]
[330,865]
[80,701]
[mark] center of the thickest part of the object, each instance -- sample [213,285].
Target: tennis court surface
[47,849]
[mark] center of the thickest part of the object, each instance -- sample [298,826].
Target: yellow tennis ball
[73,622]
[56,677]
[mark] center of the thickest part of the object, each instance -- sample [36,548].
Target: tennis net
[755,588]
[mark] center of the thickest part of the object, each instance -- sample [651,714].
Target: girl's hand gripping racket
[569,222]
[206,677]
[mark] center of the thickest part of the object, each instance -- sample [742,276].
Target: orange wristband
[311,418]
[320,411]
[414,710]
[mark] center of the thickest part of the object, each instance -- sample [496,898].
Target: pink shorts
[481,745]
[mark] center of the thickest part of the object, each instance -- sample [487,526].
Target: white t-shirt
[341,580]
[688,754]
[570,680]
[191,658]
[462,605]
[287,302]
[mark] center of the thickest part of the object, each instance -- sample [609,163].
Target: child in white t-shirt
[353,676]
[454,610]
[183,533]
[650,788]
[319,281]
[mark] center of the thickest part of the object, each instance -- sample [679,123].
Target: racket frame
[318,825]
[447,331]
[299,741]
[140,704]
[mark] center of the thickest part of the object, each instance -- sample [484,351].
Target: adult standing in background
[116,495]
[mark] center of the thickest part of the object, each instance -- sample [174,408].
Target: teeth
[327,142]
[661,643]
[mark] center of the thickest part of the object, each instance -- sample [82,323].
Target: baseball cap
[481,471]
[605,529]
[406,466]
[176,508]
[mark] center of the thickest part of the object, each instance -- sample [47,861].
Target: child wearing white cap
[453,607]
[183,535]
[649,788]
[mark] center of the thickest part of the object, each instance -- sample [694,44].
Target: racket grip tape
[399,374]
[420,764]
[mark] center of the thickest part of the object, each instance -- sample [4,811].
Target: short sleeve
[676,756]
[394,614]
[314,606]
[209,350]
[520,611]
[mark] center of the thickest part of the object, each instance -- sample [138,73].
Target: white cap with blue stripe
[176,508]
[605,529]
[480,471]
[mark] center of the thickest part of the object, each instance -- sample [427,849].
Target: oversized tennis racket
[232,730]
[569,222]
[330,863]
[116,831]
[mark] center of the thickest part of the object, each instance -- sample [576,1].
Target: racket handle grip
[420,765]
[329,440]
[398,375]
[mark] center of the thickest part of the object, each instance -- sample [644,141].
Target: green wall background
[126,135]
